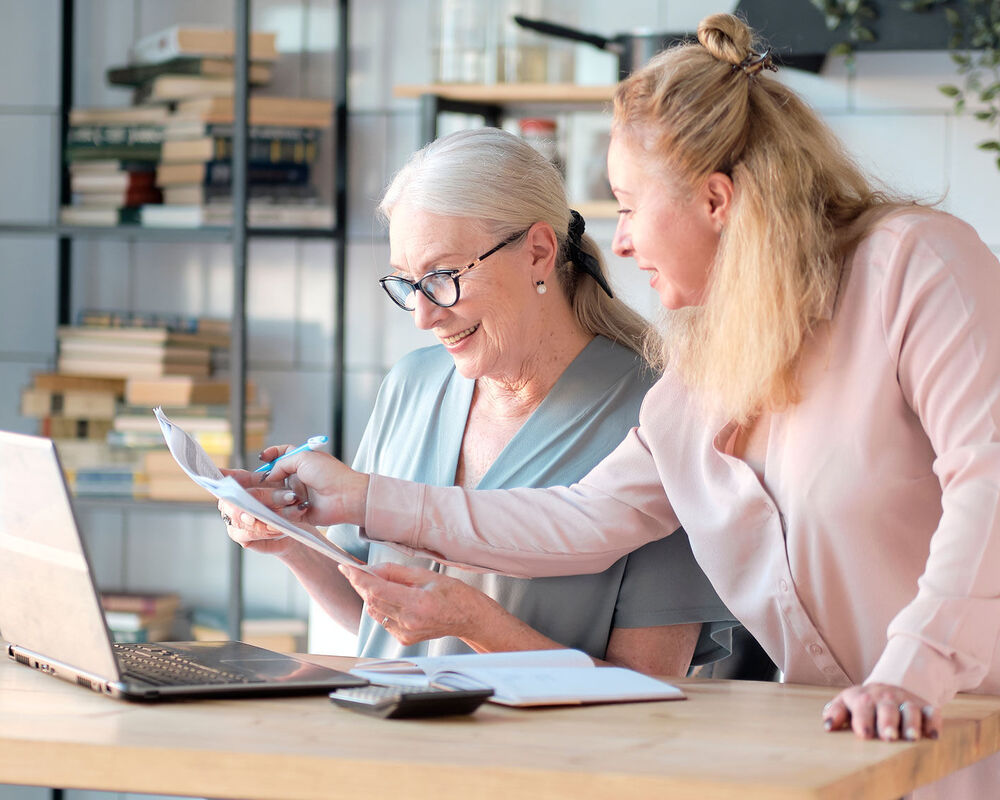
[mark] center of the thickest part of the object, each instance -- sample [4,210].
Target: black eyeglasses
[440,286]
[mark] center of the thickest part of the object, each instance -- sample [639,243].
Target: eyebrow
[432,263]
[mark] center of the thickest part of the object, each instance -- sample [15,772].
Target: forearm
[521,532]
[326,585]
[493,629]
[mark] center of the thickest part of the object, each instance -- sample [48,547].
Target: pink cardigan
[872,551]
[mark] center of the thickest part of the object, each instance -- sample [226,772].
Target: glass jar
[525,56]
[463,41]
[542,134]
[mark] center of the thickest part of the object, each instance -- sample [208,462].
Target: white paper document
[524,678]
[195,462]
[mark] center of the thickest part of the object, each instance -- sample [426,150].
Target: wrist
[357,499]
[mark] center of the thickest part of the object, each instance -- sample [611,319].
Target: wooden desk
[729,739]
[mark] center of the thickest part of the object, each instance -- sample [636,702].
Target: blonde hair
[505,185]
[798,209]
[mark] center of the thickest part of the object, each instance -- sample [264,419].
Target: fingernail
[303,505]
[911,734]
[932,734]
[828,724]
[288,497]
[260,456]
[246,519]
[890,734]
[927,711]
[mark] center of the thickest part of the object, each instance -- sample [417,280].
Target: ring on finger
[227,519]
[385,621]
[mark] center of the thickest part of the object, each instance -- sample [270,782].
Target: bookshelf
[236,235]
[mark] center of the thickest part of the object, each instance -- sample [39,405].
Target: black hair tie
[579,256]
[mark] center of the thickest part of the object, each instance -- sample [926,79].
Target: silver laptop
[51,617]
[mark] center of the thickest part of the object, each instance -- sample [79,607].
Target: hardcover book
[182,40]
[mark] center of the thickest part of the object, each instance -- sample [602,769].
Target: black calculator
[407,702]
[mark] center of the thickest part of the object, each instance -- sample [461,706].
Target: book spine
[220,173]
[262,150]
[126,152]
[289,133]
[114,135]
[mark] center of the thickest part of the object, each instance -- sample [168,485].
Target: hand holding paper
[195,462]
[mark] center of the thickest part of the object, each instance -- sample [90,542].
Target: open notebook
[51,617]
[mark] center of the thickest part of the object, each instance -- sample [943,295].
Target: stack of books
[187,74]
[195,170]
[141,617]
[77,412]
[112,155]
[113,368]
[135,351]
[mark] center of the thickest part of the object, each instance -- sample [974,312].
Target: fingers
[880,711]
[410,576]
[835,715]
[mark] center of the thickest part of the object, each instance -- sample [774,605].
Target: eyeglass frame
[454,274]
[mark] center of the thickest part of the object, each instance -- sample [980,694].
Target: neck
[517,394]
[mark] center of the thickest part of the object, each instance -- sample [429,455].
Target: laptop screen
[48,601]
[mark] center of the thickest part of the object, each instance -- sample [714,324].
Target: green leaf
[991,144]
[841,49]
[949,91]
[985,116]
[990,92]
[863,35]
[960,58]
[952,16]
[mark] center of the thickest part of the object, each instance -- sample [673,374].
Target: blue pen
[312,443]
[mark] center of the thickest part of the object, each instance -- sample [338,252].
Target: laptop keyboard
[161,666]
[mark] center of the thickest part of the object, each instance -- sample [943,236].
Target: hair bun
[726,37]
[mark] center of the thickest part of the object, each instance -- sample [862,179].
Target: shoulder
[611,364]
[914,238]
[424,366]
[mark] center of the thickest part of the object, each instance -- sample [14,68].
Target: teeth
[460,335]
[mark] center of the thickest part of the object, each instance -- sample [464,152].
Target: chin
[674,299]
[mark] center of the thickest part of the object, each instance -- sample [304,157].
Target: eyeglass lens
[439,288]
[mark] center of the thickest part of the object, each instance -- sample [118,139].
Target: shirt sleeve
[662,584]
[939,308]
[619,506]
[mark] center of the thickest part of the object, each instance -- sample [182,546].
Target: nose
[426,315]
[621,244]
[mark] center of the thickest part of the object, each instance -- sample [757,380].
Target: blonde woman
[827,429]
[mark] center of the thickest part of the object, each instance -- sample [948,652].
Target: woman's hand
[416,604]
[310,487]
[252,534]
[877,710]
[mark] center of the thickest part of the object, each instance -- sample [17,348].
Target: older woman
[536,378]
[828,427]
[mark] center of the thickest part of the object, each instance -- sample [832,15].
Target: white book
[524,678]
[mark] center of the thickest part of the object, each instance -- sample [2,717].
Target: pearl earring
[540,287]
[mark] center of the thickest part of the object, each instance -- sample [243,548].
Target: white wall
[889,113]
